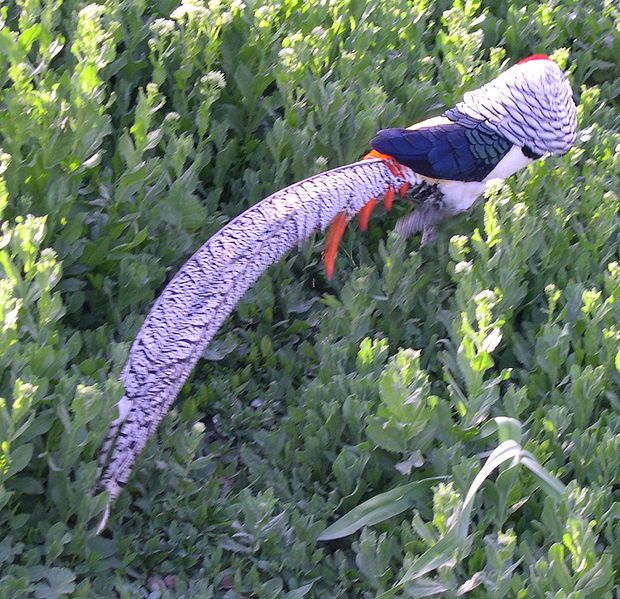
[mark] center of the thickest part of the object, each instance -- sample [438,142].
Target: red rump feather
[534,57]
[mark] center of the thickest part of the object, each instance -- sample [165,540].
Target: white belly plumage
[459,195]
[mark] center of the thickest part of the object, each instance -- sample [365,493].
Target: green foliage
[129,133]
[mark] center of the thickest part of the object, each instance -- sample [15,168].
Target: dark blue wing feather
[448,151]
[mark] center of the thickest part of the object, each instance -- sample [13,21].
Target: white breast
[459,196]
[514,160]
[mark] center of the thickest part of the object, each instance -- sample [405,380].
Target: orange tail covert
[334,235]
[365,212]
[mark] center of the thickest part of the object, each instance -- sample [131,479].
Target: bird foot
[429,234]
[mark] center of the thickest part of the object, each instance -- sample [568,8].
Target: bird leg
[430,212]
[428,234]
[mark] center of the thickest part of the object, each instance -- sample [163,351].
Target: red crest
[534,57]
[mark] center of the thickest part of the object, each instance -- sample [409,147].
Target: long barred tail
[204,292]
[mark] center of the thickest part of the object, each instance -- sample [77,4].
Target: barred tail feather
[205,291]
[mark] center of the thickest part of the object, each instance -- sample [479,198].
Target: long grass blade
[377,509]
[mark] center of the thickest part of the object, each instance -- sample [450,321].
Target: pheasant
[444,163]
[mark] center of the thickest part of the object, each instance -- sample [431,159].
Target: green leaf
[58,582]
[378,509]
[508,429]
[299,592]
[389,435]
[443,551]
[19,458]
[441,554]
[552,486]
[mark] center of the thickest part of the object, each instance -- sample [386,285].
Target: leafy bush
[130,132]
